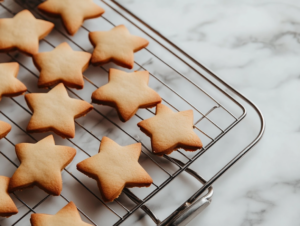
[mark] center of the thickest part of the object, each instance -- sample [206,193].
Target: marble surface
[254,46]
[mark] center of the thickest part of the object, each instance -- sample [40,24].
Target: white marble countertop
[255,48]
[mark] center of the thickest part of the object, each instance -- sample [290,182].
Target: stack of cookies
[114,167]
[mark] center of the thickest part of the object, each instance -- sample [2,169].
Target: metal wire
[30,210]
[180,165]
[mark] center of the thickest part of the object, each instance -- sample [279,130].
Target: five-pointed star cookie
[68,215]
[55,111]
[23,32]
[5,128]
[114,168]
[72,12]
[7,205]
[62,65]
[127,92]
[41,165]
[10,86]
[116,45]
[171,130]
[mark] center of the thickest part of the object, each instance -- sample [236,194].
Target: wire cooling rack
[183,84]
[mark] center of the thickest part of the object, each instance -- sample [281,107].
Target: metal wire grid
[178,163]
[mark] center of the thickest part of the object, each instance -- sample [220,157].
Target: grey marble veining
[252,45]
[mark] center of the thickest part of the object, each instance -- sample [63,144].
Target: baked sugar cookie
[68,215]
[5,128]
[41,165]
[7,205]
[127,92]
[62,65]
[116,45]
[114,168]
[23,32]
[171,130]
[55,111]
[72,12]
[10,86]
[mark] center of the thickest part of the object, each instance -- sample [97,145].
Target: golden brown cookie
[23,32]
[5,128]
[62,65]
[7,205]
[114,168]
[55,111]
[127,92]
[68,215]
[171,130]
[10,86]
[72,12]
[116,45]
[41,165]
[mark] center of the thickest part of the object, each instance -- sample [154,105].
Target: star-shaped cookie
[62,65]
[127,92]
[5,128]
[116,45]
[114,168]
[68,215]
[41,165]
[23,32]
[10,86]
[72,12]
[7,205]
[55,111]
[171,130]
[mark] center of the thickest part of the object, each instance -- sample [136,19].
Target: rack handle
[188,211]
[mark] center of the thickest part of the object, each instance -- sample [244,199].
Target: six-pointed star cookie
[7,205]
[72,12]
[169,131]
[55,111]
[68,215]
[23,32]
[10,86]
[62,65]
[41,165]
[114,168]
[116,45]
[127,92]
[5,128]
